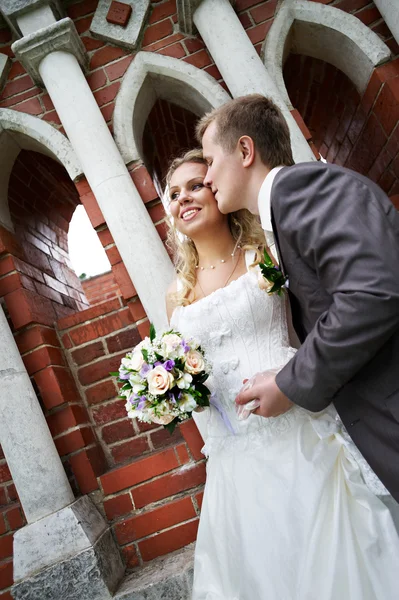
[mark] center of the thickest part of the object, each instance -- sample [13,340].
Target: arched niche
[151,77]
[326,33]
[19,131]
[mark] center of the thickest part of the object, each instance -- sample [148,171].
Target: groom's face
[224,175]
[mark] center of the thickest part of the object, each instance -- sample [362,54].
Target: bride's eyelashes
[196,186]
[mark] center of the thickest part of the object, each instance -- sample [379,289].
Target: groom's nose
[208,179]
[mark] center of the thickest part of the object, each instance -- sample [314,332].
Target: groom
[337,235]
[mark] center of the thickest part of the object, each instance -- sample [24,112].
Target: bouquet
[163,379]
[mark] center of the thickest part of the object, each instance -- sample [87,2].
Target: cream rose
[159,381]
[194,362]
[162,420]
[263,283]
[171,345]
[137,360]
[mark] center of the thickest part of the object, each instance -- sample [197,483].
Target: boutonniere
[271,278]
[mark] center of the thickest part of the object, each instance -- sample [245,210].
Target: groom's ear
[246,148]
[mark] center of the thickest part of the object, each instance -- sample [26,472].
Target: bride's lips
[189,213]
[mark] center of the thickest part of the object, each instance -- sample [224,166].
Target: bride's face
[192,204]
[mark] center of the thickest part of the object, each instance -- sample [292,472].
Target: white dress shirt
[264,205]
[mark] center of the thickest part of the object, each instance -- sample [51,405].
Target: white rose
[126,363]
[184,381]
[194,362]
[171,345]
[137,360]
[187,403]
[159,381]
[263,283]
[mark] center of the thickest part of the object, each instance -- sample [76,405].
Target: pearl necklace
[221,260]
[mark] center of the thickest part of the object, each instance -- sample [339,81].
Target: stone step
[166,578]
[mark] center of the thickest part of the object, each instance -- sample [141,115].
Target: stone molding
[12,9]
[128,36]
[5,65]
[326,33]
[185,12]
[152,76]
[59,37]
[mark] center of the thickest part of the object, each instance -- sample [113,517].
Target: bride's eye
[174,196]
[198,186]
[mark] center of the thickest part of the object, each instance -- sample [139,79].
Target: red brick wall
[100,288]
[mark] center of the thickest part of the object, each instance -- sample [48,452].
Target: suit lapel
[280,260]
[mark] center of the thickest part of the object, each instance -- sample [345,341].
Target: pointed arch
[323,32]
[19,131]
[152,76]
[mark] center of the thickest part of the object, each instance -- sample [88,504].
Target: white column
[131,227]
[32,457]
[390,12]
[240,65]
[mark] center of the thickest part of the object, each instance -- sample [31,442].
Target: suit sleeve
[338,226]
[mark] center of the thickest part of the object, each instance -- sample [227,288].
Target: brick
[144,329]
[130,557]
[88,353]
[6,577]
[99,370]
[82,8]
[93,210]
[17,86]
[301,124]
[264,11]
[3,528]
[199,498]
[56,386]
[117,431]
[386,181]
[125,340]
[35,336]
[352,5]
[52,117]
[31,107]
[83,25]
[386,109]
[192,437]
[169,485]
[89,314]
[10,283]
[105,55]
[162,229]
[369,15]
[109,412]
[137,310]
[66,418]
[91,44]
[42,357]
[153,33]
[368,146]
[100,327]
[6,596]
[245,4]
[107,94]
[113,255]
[200,59]
[131,449]
[144,184]
[84,472]
[15,518]
[6,546]
[100,392]
[173,539]
[157,212]
[123,280]
[258,33]
[165,42]
[118,506]
[245,20]
[119,68]
[154,520]
[5,474]
[107,112]
[26,307]
[357,124]
[12,492]
[7,264]
[182,453]
[166,9]
[139,471]
[105,237]
[162,437]
[175,51]
[74,440]
[97,79]
[193,44]
[379,166]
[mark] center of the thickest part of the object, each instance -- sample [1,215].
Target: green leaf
[114,373]
[172,425]
[145,354]
[201,378]
[152,332]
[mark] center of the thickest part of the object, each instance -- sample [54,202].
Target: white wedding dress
[286,514]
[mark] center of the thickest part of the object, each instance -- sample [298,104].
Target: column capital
[60,36]
[185,12]
[13,9]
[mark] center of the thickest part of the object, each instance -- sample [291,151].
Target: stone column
[53,56]
[32,457]
[237,59]
[390,11]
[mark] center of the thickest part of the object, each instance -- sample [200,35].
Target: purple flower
[169,365]
[124,375]
[158,364]
[185,346]
[141,404]
[145,369]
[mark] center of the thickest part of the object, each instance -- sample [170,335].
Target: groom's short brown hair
[259,118]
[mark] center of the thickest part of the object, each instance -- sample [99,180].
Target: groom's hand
[263,386]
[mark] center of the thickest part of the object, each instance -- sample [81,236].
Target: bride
[291,510]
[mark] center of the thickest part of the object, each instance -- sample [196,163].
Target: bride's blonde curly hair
[245,229]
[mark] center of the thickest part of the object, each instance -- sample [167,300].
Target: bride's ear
[246,148]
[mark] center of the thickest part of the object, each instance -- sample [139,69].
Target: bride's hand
[272,401]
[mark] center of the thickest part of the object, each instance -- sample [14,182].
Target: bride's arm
[170,303]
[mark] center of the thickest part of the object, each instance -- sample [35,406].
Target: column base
[70,554]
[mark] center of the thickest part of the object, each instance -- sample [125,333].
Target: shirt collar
[264,199]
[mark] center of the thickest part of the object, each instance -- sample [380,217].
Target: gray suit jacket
[338,238]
